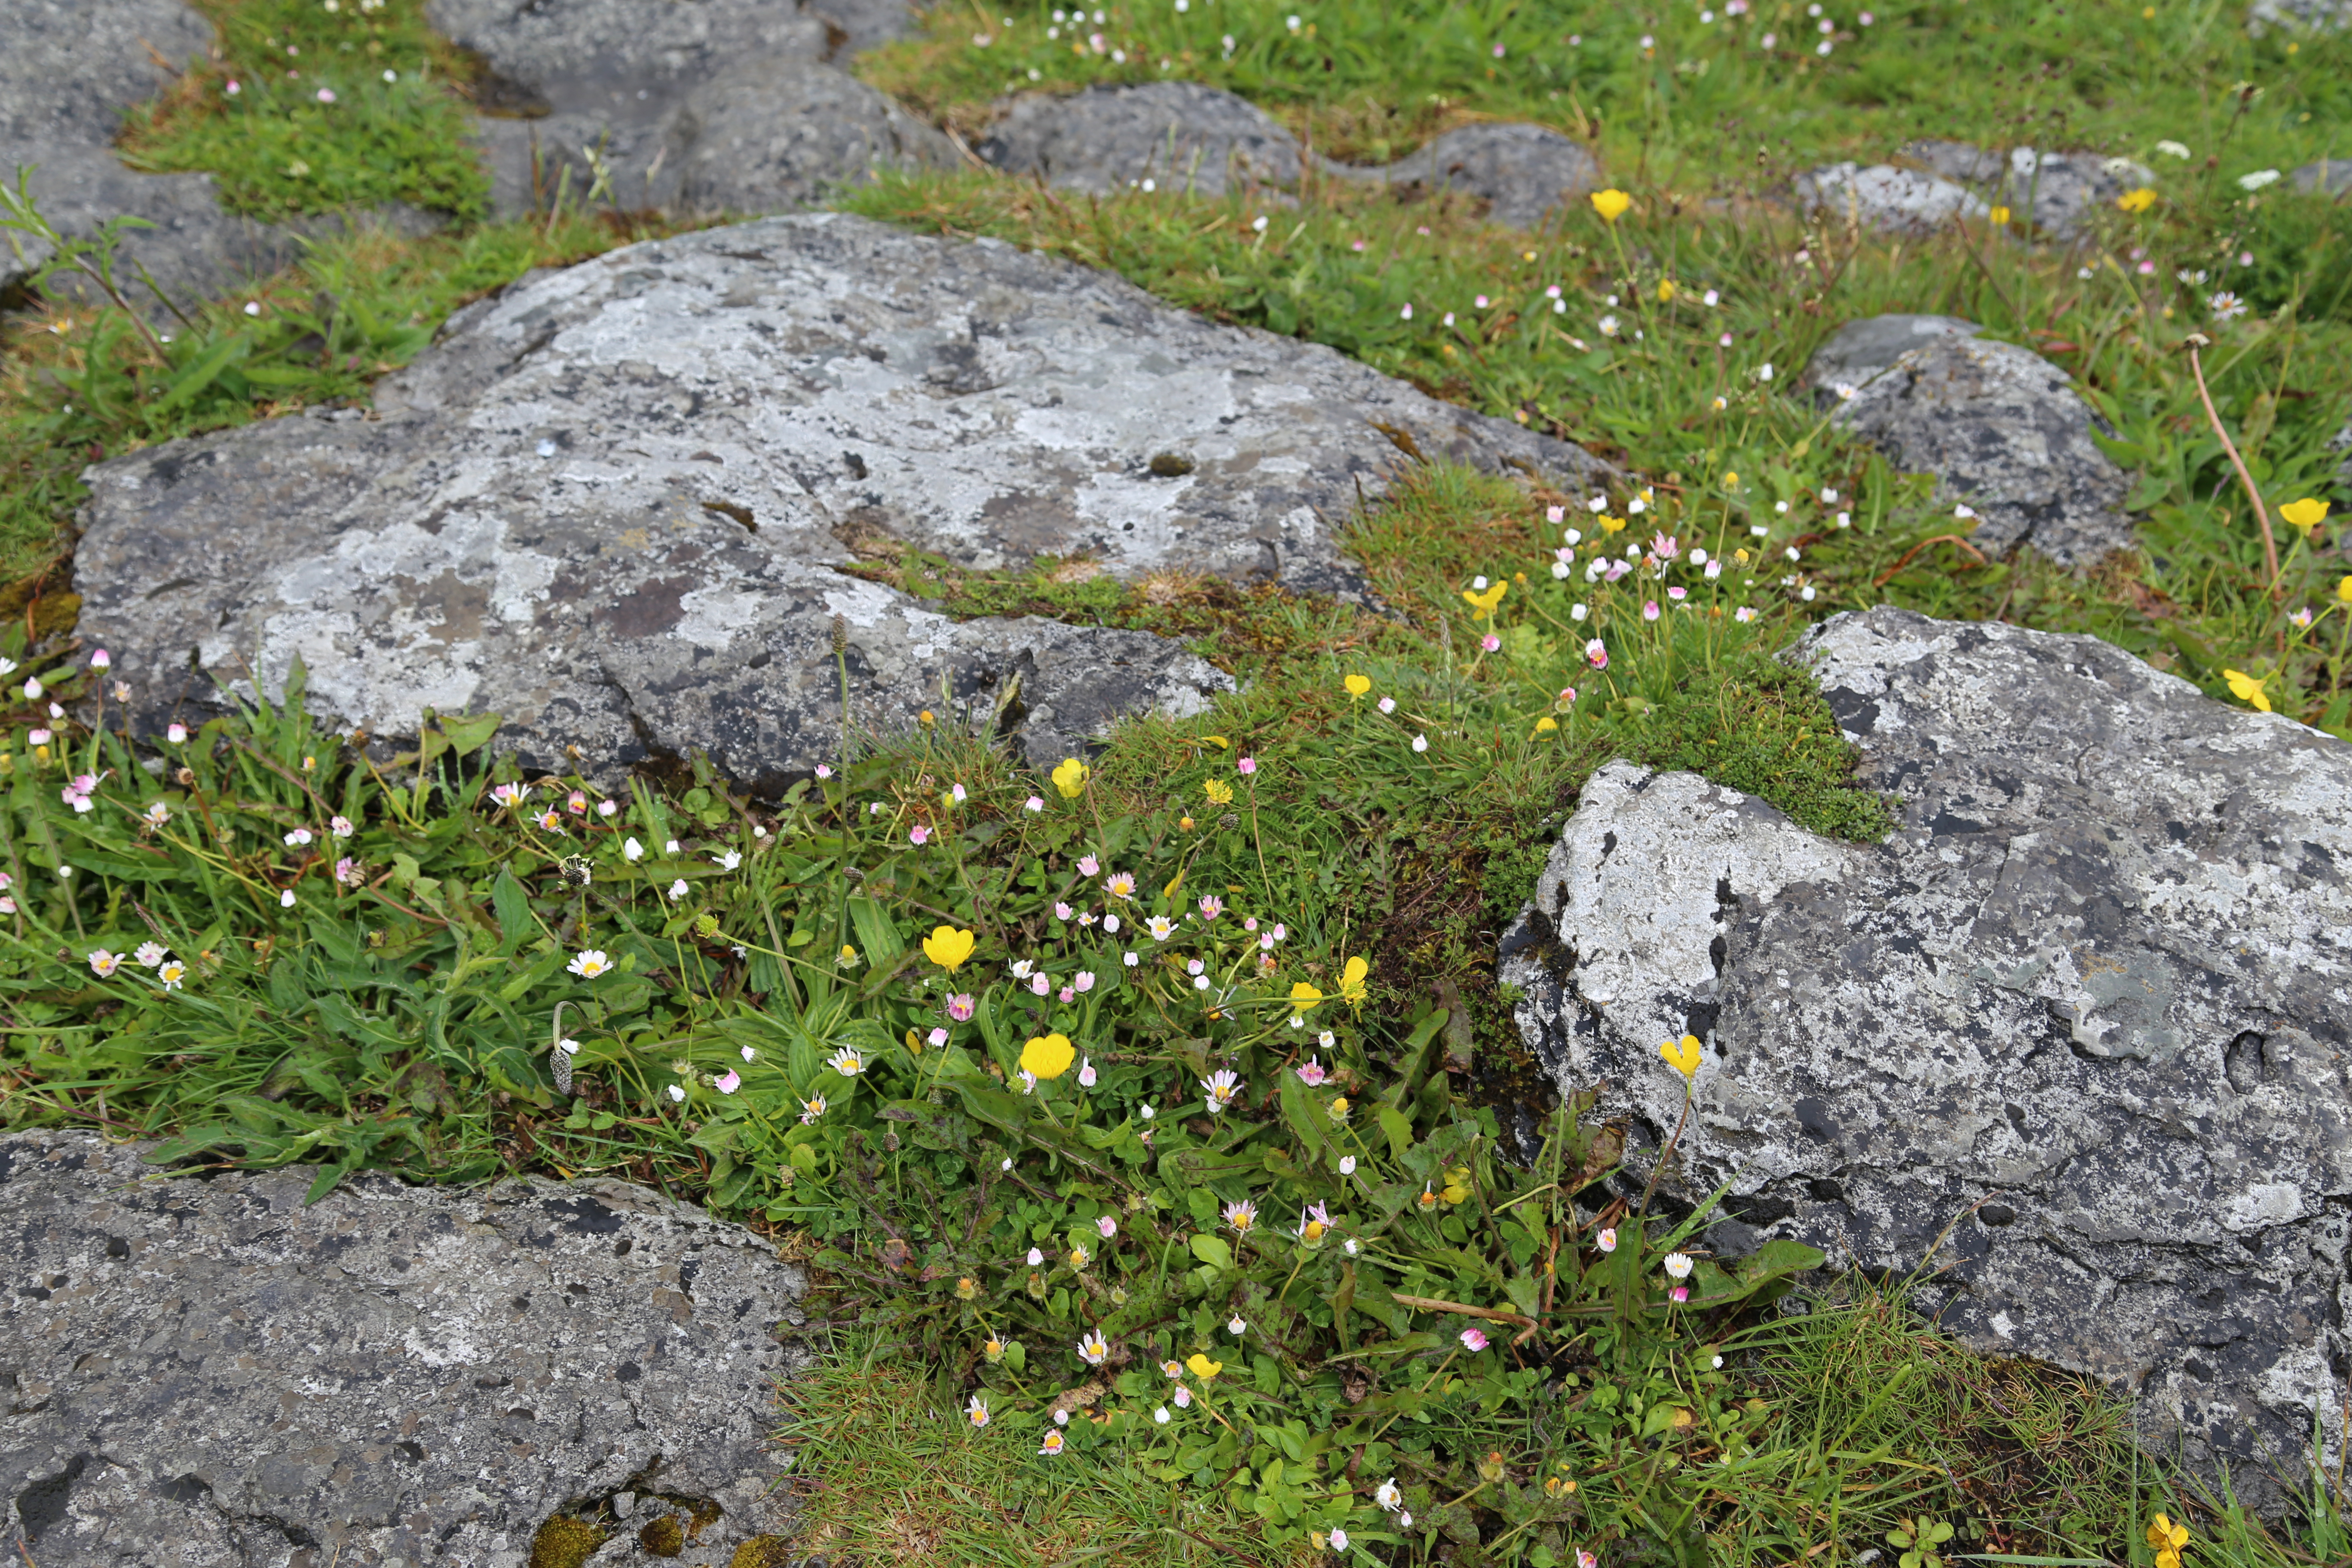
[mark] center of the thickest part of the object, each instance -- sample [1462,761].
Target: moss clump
[665,1537]
[761,1552]
[564,1542]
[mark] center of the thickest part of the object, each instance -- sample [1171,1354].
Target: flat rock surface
[1861,351]
[2062,192]
[1522,172]
[2093,984]
[67,72]
[207,1373]
[718,106]
[2001,431]
[1887,199]
[611,503]
[2333,176]
[1181,135]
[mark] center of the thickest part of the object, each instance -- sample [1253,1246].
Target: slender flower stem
[2262,513]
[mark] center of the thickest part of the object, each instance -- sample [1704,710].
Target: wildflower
[1021,968]
[810,1109]
[1048,1056]
[1339,1109]
[2226,306]
[1070,778]
[728,1082]
[1303,996]
[1220,1087]
[341,827]
[1034,802]
[1607,1239]
[150,954]
[846,1062]
[33,689]
[1473,1340]
[39,737]
[678,889]
[1312,1074]
[1053,1443]
[1036,1255]
[1093,1349]
[2302,618]
[1201,1367]
[348,872]
[2247,688]
[171,973]
[296,840]
[976,1412]
[2258,178]
[2167,1538]
[1683,1054]
[1743,613]
[1596,654]
[2305,514]
[1611,203]
[919,835]
[1131,960]
[1358,685]
[2137,201]
[1083,982]
[589,963]
[1160,927]
[1089,866]
[103,964]
[1421,742]
[1106,1226]
[286,900]
[1387,705]
[177,734]
[1211,907]
[1338,1540]
[1161,1416]
[1314,1221]
[1678,1265]
[1121,885]
[847,957]
[1219,792]
[1245,766]
[1347,1164]
[1351,981]
[1389,1495]
[949,949]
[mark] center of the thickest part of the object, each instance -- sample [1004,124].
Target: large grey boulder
[1180,135]
[2332,177]
[2000,428]
[2084,1008]
[1862,351]
[613,503]
[720,106]
[2061,191]
[1524,172]
[1886,199]
[2297,15]
[67,72]
[211,1374]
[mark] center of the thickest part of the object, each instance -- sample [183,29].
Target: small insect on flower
[589,963]
[1220,1087]
[1093,1349]
[1241,1216]
[846,1062]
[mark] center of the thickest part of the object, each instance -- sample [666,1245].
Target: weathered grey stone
[2332,175]
[721,106]
[2094,982]
[1523,171]
[1887,199]
[610,504]
[1180,135]
[2063,190]
[67,72]
[2003,433]
[2298,15]
[1860,351]
[209,1373]
[2341,442]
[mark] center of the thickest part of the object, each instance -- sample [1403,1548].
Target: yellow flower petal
[1048,1056]
[1682,1055]
[1358,685]
[1202,1367]
[2246,689]
[948,947]
[1611,203]
[1070,778]
[2305,514]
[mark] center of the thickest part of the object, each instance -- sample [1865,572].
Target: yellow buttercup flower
[2305,514]
[1048,1056]
[1546,724]
[1483,604]
[1304,997]
[2343,590]
[1219,792]
[1666,290]
[2246,689]
[1358,685]
[2167,1538]
[2137,201]
[1202,1367]
[1611,203]
[1351,981]
[2001,218]
[1070,778]
[948,947]
[1613,525]
[1680,1055]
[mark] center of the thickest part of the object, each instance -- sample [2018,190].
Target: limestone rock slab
[1524,172]
[209,1373]
[1863,349]
[2330,175]
[1181,135]
[2084,1008]
[1887,199]
[718,105]
[612,502]
[2061,191]
[2001,431]
[67,72]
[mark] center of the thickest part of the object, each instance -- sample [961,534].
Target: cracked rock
[1181,135]
[2093,982]
[721,106]
[1997,425]
[611,503]
[2060,192]
[211,1374]
[1524,172]
[1887,199]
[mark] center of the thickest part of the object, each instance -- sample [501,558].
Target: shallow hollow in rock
[213,1373]
[611,502]
[2084,1008]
